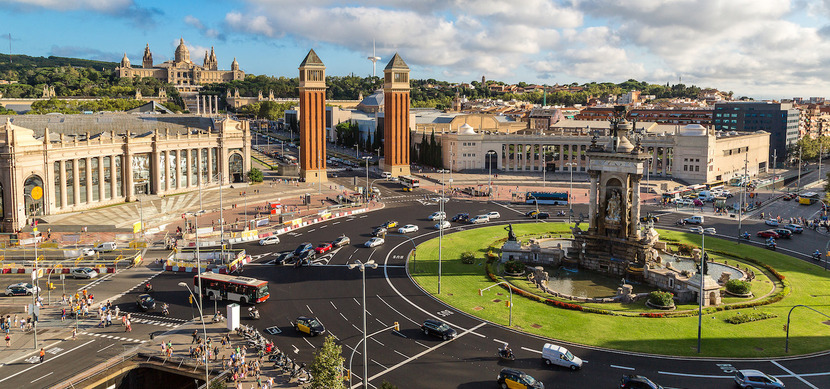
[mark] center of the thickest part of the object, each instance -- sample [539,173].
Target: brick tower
[312,119]
[396,117]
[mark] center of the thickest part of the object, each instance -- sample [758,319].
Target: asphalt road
[332,293]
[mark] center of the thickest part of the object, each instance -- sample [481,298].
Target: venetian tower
[396,117]
[312,118]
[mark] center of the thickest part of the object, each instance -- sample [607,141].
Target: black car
[307,256]
[541,215]
[512,378]
[284,257]
[460,217]
[438,328]
[146,302]
[531,213]
[379,231]
[637,382]
[309,325]
[784,233]
[303,248]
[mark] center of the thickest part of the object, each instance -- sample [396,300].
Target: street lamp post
[509,289]
[441,229]
[490,174]
[366,192]
[700,288]
[743,197]
[571,166]
[204,328]
[798,184]
[362,266]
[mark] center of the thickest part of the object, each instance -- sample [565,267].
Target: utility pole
[821,151]
[743,197]
[774,161]
[798,184]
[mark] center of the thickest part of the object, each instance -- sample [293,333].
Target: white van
[560,356]
[706,195]
[106,246]
[694,220]
[480,219]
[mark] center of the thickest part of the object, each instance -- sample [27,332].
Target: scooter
[681,223]
[745,236]
[165,311]
[253,313]
[506,355]
[816,256]
[770,245]
[560,213]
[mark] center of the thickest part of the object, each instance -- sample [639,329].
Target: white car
[30,288]
[87,251]
[493,215]
[442,224]
[438,216]
[84,272]
[480,219]
[374,242]
[407,228]
[269,240]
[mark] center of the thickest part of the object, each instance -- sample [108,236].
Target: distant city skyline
[771,49]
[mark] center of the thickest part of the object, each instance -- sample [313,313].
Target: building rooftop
[80,125]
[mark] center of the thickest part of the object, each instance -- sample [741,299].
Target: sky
[766,49]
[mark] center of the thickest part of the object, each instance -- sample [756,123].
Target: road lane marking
[321,227]
[46,361]
[795,375]
[312,230]
[309,343]
[399,312]
[296,350]
[533,351]
[624,367]
[357,328]
[499,341]
[105,348]
[378,342]
[421,344]
[379,364]
[47,375]
[401,354]
[335,223]
[422,353]
[344,316]
[477,334]
[332,304]
[309,308]
[381,323]
[355,300]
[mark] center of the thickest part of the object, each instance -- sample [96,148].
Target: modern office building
[780,120]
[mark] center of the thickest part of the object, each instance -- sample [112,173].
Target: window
[697,168]
[57,185]
[107,177]
[82,179]
[214,162]
[119,176]
[162,171]
[96,184]
[171,168]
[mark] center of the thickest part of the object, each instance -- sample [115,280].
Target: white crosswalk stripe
[131,340]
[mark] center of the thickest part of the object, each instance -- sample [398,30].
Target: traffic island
[779,283]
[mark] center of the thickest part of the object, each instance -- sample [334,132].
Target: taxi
[516,379]
[309,325]
[389,224]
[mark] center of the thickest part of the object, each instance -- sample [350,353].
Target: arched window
[235,168]
[33,196]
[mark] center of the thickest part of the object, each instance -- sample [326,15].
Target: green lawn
[672,336]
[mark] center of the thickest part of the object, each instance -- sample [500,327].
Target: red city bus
[236,288]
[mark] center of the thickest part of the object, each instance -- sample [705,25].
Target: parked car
[84,272]
[146,302]
[637,382]
[407,229]
[756,379]
[303,247]
[378,231]
[269,240]
[795,228]
[439,215]
[307,256]
[443,224]
[309,325]
[374,242]
[343,240]
[783,233]
[284,257]
[493,215]
[480,219]
[771,222]
[512,378]
[438,328]
[767,234]
[323,247]
[460,217]
[646,218]
[560,356]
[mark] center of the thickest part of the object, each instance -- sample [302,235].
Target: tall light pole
[362,266]
[798,184]
[700,291]
[571,166]
[774,161]
[743,197]
[204,328]
[319,174]
[366,192]
[490,174]
[509,289]
[544,166]
[141,215]
[441,229]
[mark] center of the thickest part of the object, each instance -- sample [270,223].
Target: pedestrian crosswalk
[113,337]
[155,322]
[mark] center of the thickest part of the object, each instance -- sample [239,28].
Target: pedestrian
[8,340]
[42,355]
[74,333]
[109,318]
[195,336]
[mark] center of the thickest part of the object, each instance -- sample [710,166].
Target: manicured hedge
[661,299]
[740,317]
[468,257]
[738,287]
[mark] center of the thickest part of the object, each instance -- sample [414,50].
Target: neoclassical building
[181,71]
[55,164]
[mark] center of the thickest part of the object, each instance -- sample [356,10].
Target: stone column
[209,105]
[100,178]
[665,160]
[76,183]
[592,201]
[210,165]
[189,159]
[562,158]
[63,184]
[635,206]
[113,178]
[198,106]
[88,180]
[216,104]
[177,169]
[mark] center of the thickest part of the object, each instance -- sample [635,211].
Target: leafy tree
[255,175]
[387,385]
[326,370]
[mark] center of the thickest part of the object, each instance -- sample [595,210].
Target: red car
[322,248]
[768,234]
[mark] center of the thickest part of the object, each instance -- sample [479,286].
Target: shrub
[468,257]
[685,249]
[740,317]
[662,299]
[738,287]
[514,267]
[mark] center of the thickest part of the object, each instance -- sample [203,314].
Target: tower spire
[374,58]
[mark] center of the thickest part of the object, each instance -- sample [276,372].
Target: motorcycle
[816,256]
[148,288]
[681,223]
[560,213]
[253,313]
[745,236]
[165,310]
[771,245]
[506,355]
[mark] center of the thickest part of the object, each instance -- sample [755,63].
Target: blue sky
[759,48]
